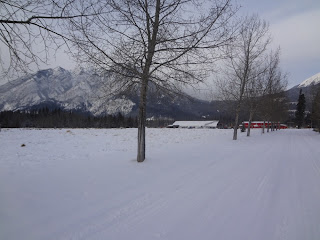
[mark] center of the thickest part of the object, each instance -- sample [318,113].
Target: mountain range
[81,91]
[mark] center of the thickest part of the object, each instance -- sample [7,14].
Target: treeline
[58,118]
[315,113]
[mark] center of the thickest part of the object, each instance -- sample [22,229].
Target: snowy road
[195,184]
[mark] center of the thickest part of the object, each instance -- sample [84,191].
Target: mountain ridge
[313,80]
[81,90]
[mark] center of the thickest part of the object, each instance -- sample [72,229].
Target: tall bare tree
[254,91]
[139,42]
[264,90]
[244,60]
[274,84]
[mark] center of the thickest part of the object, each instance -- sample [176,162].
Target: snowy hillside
[307,87]
[77,90]
[84,91]
[314,80]
[195,184]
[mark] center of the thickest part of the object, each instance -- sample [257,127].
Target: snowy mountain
[77,90]
[81,91]
[314,80]
[308,87]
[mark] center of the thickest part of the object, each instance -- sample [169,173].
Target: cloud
[298,36]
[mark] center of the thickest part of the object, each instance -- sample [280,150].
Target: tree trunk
[249,124]
[142,122]
[268,129]
[152,38]
[236,122]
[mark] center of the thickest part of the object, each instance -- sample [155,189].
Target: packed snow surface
[194,184]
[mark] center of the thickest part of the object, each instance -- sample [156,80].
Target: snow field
[194,184]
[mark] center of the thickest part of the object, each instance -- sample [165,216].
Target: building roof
[253,122]
[212,123]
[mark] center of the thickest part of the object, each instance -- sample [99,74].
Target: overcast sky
[295,27]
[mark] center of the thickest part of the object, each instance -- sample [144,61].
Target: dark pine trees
[315,116]
[301,107]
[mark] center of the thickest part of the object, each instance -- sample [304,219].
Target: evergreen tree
[301,107]
[315,116]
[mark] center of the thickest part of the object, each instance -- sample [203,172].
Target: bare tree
[274,84]
[264,90]
[163,42]
[254,91]
[244,60]
[30,30]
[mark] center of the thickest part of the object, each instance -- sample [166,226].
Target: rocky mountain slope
[61,88]
[80,90]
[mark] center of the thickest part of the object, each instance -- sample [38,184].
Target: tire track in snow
[131,215]
[102,220]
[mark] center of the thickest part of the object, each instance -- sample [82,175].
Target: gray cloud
[299,38]
[294,25]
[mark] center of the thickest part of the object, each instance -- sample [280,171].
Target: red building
[259,124]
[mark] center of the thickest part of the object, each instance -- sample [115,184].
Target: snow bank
[195,184]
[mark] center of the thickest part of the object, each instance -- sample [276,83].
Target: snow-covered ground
[195,184]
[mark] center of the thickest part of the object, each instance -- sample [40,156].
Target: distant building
[259,124]
[194,124]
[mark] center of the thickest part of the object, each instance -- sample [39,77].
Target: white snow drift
[194,184]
